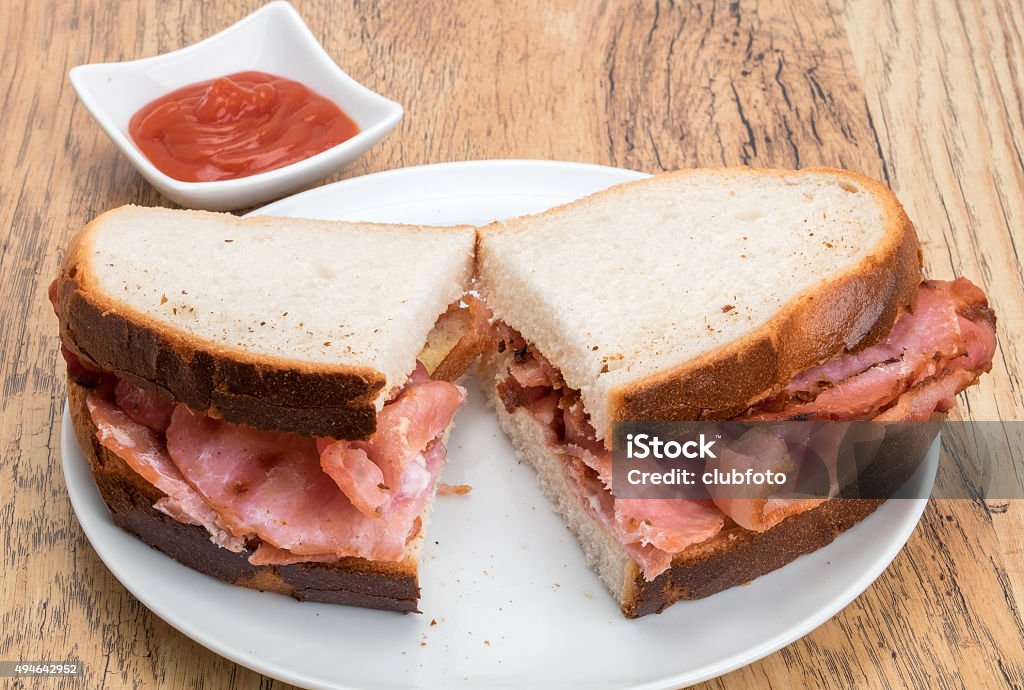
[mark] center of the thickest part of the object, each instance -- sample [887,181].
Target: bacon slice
[762,449]
[146,453]
[598,460]
[420,413]
[934,395]
[598,501]
[669,524]
[529,373]
[146,408]
[272,484]
[356,475]
[514,396]
[371,473]
[931,329]
[951,327]
[266,554]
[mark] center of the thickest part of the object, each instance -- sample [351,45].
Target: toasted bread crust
[130,498]
[736,556]
[264,392]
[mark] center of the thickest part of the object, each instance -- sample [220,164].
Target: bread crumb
[727,308]
[487,643]
[163,299]
[433,622]
[453,489]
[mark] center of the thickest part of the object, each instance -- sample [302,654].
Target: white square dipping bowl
[273,39]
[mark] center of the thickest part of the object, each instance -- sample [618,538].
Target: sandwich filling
[931,354]
[284,498]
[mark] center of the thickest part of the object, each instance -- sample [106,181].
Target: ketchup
[236,126]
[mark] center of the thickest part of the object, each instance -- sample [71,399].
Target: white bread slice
[691,294]
[274,322]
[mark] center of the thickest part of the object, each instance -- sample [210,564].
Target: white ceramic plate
[508,601]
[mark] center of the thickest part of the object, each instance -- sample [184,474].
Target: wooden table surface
[926,96]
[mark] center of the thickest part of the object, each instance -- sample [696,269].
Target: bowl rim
[393,111]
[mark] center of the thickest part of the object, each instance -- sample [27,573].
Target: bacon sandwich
[266,400]
[713,295]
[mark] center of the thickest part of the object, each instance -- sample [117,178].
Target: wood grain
[926,96]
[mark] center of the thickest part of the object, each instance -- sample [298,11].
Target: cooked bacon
[272,484]
[977,325]
[652,531]
[356,475]
[267,554]
[670,524]
[546,409]
[85,374]
[514,396]
[763,449]
[305,499]
[149,409]
[598,460]
[419,374]
[420,413]
[951,327]
[598,501]
[930,329]
[145,452]
[528,373]
[371,472]
[937,394]
[508,338]
[578,430]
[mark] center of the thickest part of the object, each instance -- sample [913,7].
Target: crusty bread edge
[813,327]
[392,586]
[734,557]
[262,391]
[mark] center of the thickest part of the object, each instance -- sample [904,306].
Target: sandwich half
[266,400]
[713,295]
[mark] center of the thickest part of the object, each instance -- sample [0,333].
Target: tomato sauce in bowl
[238,125]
